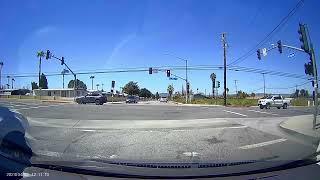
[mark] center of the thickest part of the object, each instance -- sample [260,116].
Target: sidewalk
[303,126]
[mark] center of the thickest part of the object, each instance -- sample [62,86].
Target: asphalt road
[161,132]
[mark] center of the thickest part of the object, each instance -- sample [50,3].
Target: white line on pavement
[263,112]
[266,143]
[35,107]
[88,130]
[235,113]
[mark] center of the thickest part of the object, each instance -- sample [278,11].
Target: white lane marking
[89,130]
[266,143]
[235,113]
[263,112]
[35,107]
[191,154]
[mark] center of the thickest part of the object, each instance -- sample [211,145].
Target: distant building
[68,92]
[6,91]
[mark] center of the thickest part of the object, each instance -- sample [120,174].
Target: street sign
[264,51]
[173,78]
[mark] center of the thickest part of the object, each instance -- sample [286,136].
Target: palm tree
[40,55]
[98,86]
[170,90]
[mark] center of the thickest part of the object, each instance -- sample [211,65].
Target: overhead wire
[269,35]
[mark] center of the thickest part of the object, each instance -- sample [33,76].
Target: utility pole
[1,65]
[264,85]
[224,67]
[102,86]
[235,84]
[187,81]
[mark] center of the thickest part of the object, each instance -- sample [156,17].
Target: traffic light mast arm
[178,77]
[65,65]
[292,47]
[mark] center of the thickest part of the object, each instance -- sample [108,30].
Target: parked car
[273,101]
[131,99]
[163,99]
[93,97]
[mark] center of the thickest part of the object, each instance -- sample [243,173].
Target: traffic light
[280,46]
[303,38]
[188,87]
[48,55]
[218,84]
[62,61]
[113,83]
[168,73]
[308,68]
[150,70]
[259,54]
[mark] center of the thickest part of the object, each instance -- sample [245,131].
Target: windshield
[168,81]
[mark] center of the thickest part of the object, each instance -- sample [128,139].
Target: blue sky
[121,34]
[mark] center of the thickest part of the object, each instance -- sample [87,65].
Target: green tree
[304,93]
[157,95]
[170,90]
[253,95]
[131,88]
[34,85]
[43,82]
[79,84]
[145,93]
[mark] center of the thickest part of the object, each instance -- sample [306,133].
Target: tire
[101,103]
[278,107]
[267,106]
[285,106]
[97,102]
[261,106]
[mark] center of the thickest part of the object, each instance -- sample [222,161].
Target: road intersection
[152,131]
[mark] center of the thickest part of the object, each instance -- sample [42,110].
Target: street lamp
[64,71]
[186,61]
[8,84]
[98,86]
[92,77]
[12,80]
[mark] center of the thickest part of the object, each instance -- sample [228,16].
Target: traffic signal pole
[49,55]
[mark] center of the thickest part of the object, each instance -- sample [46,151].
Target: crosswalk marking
[263,112]
[235,113]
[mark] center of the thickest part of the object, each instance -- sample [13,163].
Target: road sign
[264,51]
[173,78]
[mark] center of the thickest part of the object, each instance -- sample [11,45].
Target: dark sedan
[96,98]
[131,99]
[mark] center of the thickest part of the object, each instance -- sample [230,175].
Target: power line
[269,35]
[291,86]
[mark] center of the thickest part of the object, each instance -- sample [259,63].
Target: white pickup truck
[273,101]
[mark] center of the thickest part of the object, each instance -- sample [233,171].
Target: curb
[314,140]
